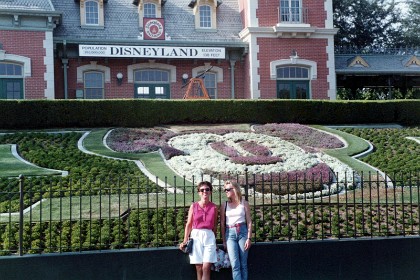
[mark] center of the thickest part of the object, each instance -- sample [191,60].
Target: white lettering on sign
[151,51]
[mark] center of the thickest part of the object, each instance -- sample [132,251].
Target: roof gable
[414,61]
[358,61]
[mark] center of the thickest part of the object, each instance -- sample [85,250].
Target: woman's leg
[199,269]
[233,251]
[243,256]
[206,271]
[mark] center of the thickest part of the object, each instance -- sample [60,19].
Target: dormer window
[205,16]
[205,13]
[92,13]
[149,9]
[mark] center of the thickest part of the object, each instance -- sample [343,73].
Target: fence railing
[41,215]
[349,49]
[293,15]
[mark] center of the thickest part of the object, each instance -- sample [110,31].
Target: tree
[411,24]
[368,24]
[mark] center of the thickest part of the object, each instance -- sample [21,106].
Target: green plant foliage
[394,153]
[60,151]
[149,113]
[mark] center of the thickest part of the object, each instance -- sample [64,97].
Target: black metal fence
[40,215]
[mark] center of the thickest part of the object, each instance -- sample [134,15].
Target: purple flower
[132,140]
[169,152]
[224,149]
[251,160]
[305,137]
[255,148]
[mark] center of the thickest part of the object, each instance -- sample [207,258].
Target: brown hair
[204,183]
[236,188]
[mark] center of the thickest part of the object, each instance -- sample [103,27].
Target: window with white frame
[205,16]
[290,11]
[11,81]
[94,85]
[292,72]
[151,76]
[149,10]
[92,13]
[10,70]
[210,82]
[293,82]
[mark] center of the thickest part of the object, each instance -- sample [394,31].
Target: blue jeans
[235,242]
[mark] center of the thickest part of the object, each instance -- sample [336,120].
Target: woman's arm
[249,225]
[248,218]
[188,226]
[223,221]
[216,218]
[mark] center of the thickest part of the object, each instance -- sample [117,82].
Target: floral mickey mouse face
[233,152]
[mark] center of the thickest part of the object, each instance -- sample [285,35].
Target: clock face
[153,29]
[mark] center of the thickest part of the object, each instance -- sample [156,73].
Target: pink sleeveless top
[204,218]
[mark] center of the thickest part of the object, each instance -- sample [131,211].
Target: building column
[232,78]
[65,62]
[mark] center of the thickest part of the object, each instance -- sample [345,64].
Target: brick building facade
[103,49]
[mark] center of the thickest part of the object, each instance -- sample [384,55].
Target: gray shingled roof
[27,5]
[377,64]
[121,22]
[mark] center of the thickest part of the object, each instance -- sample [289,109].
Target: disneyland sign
[151,51]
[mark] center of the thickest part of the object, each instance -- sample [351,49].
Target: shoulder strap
[225,212]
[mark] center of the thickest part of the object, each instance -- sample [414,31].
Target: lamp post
[119,78]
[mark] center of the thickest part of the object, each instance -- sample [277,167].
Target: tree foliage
[367,24]
[412,24]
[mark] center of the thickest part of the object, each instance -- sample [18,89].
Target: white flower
[200,158]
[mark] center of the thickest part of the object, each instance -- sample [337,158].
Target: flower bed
[307,138]
[275,152]
[142,140]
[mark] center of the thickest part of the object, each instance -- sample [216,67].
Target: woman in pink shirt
[201,226]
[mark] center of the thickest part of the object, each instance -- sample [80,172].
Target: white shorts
[204,246]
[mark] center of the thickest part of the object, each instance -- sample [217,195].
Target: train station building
[105,49]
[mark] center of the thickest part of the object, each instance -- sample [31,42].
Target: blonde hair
[236,188]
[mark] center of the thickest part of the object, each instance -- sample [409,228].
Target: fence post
[246,184]
[21,205]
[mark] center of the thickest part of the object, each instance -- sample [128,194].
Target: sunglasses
[228,189]
[205,190]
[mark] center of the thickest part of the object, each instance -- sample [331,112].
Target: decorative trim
[25,61]
[49,65]
[93,67]
[358,61]
[100,14]
[331,76]
[151,65]
[312,65]
[215,69]
[213,11]
[414,61]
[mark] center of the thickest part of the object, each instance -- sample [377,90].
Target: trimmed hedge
[30,114]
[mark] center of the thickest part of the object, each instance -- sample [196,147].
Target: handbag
[222,260]
[187,249]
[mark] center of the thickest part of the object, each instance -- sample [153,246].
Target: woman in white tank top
[236,224]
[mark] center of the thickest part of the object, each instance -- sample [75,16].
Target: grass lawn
[10,166]
[355,146]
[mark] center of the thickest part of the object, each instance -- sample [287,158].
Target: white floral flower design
[201,157]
